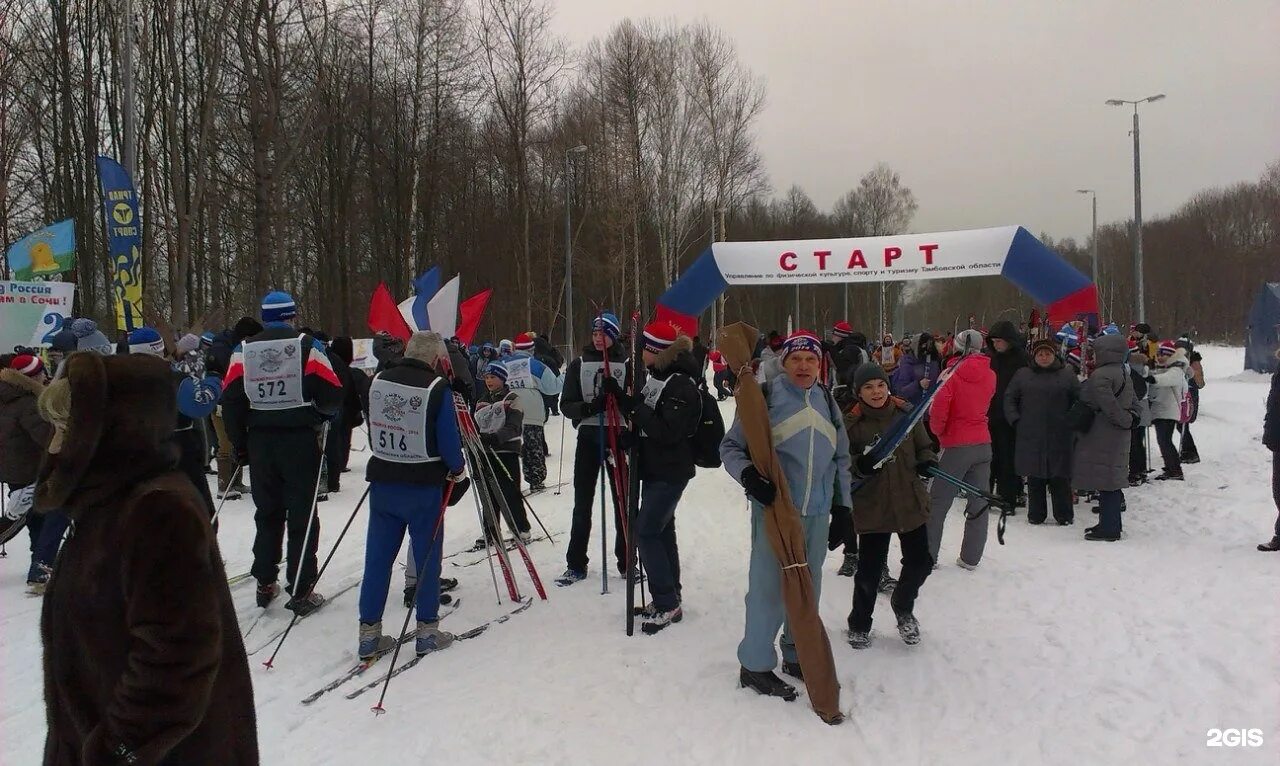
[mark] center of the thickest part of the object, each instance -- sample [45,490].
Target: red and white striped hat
[658,336]
[524,341]
[1167,348]
[28,365]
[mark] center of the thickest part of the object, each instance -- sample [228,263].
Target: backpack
[705,442]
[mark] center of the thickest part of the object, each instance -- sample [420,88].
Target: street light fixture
[1094,194]
[1140,295]
[568,249]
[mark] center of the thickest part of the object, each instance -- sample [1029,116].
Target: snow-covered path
[1053,651]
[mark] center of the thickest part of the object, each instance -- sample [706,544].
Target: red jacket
[959,413]
[718,364]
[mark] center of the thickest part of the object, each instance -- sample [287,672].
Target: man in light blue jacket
[813,449]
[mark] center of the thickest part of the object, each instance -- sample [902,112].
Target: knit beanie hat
[841,330]
[1073,356]
[496,369]
[278,306]
[608,324]
[658,336]
[1167,348]
[801,340]
[505,346]
[146,340]
[1044,343]
[64,340]
[90,338]
[524,341]
[188,343]
[867,372]
[28,365]
[969,342]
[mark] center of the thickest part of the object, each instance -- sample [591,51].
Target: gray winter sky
[992,111]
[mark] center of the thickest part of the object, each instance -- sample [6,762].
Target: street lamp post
[1139,296]
[1093,193]
[568,249]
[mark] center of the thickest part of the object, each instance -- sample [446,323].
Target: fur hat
[113,419]
[427,347]
[278,306]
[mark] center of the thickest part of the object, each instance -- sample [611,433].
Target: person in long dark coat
[1008,354]
[1036,404]
[143,661]
[1101,457]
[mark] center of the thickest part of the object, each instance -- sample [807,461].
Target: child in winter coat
[1168,394]
[891,499]
[500,421]
[959,420]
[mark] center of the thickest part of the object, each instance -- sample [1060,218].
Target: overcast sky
[993,111]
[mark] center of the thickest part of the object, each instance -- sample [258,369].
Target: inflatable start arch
[1008,251]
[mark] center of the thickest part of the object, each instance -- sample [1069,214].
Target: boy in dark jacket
[1271,439]
[666,412]
[501,425]
[891,500]
[583,402]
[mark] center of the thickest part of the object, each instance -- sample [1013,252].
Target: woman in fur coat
[143,661]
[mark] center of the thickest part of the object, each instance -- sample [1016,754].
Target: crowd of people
[1039,422]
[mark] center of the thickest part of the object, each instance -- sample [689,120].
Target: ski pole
[560,480]
[488,553]
[311,520]
[271,660]
[235,474]
[422,571]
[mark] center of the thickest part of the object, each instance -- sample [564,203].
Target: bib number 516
[388,440]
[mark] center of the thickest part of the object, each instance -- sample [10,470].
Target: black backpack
[706,438]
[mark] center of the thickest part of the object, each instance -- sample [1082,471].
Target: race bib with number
[519,374]
[592,375]
[273,374]
[398,421]
[652,391]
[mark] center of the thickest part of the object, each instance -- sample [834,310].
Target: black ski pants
[1059,491]
[586,486]
[1138,453]
[1005,481]
[873,554]
[192,461]
[506,472]
[1165,430]
[283,466]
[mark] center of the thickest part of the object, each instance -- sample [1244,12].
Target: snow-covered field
[1053,651]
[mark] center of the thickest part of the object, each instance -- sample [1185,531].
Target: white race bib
[652,391]
[519,374]
[398,421]
[592,374]
[273,374]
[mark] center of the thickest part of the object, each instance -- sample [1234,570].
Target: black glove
[866,465]
[242,458]
[460,487]
[841,527]
[758,487]
[591,408]
[611,387]
[924,467]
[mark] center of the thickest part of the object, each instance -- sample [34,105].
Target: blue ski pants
[766,612]
[393,508]
[656,540]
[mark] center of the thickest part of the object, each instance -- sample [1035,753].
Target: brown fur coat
[142,648]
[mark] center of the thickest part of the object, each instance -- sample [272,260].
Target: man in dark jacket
[1271,440]
[280,391]
[847,350]
[338,447]
[666,412]
[583,402]
[217,360]
[1008,354]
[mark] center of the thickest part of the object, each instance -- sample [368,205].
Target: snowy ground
[1053,651]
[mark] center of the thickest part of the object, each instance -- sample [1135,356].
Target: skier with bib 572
[279,391]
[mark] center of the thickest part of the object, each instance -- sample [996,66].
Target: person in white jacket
[1168,395]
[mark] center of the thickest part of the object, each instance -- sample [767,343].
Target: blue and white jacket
[812,446]
[530,380]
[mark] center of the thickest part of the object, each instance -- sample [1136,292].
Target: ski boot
[305,605]
[267,593]
[848,566]
[526,537]
[767,684]
[372,642]
[908,628]
[660,619]
[570,577]
[1170,476]
[448,583]
[430,638]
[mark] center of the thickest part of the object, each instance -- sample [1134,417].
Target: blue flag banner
[124,241]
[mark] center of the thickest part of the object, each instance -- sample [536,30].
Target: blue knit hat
[608,323]
[146,340]
[497,369]
[278,306]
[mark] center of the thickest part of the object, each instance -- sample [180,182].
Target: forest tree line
[323,147]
